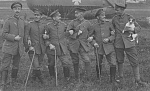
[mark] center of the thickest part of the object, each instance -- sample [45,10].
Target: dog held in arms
[130,24]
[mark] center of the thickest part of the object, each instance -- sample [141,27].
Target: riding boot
[66,72]
[112,74]
[33,75]
[4,80]
[51,70]
[39,76]
[14,76]
[76,70]
[98,70]
[88,70]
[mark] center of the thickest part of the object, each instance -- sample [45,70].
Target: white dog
[129,27]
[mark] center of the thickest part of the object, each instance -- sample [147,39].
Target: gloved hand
[80,32]
[71,32]
[29,42]
[31,48]
[90,39]
[106,40]
[96,45]
[52,47]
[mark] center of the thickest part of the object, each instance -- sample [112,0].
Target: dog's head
[131,20]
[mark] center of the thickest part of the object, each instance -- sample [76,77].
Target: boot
[120,80]
[98,69]
[137,77]
[76,70]
[51,70]
[39,76]
[33,75]
[112,74]
[4,79]
[113,78]
[14,73]
[66,72]
[14,76]
[88,70]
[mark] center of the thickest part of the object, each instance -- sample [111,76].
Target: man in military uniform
[35,43]
[123,43]
[79,29]
[13,46]
[56,40]
[102,38]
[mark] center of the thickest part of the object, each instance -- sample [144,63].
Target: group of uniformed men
[106,37]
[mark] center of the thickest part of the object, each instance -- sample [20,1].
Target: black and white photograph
[74,45]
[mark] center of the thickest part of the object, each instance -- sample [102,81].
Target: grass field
[95,85]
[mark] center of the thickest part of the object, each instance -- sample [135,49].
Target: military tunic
[79,43]
[34,33]
[12,49]
[57,37]
[101,31]
[122,41]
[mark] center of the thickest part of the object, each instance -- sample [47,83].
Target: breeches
[131,55]
[65,60]
[111,59]
[37,61]
[6,61]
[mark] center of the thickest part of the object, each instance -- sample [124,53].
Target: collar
[100,22]
[16,17]
[55,22]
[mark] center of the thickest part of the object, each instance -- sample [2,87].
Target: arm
[27,36]
[71,27]
[112,33]
[47,41]
[6,32]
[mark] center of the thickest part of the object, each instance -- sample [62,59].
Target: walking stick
[97,60]
[56,67]
[29,69]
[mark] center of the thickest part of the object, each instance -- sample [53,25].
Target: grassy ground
[94,85]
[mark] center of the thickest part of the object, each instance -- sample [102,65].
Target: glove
[96,45]
[90,39]
[52,47]
[106,40]
[45,36]
[29,42]
[79,32]
[31,48]
[71,32]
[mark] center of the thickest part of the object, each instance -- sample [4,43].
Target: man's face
[119,10]
[37,16]
[101,16]
[57,17]
[78,14]
[17,10]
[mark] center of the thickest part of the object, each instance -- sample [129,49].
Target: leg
[4,70]
[132,56]
[87,62]
[111,58]
[51,61]
[75,59]
[99,69]
[15,68]
[66,65]
[120,60]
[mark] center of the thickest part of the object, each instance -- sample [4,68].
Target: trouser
[111,58]
[85,58]
[38,59]
[132,56]
[6,61]
[66,63]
